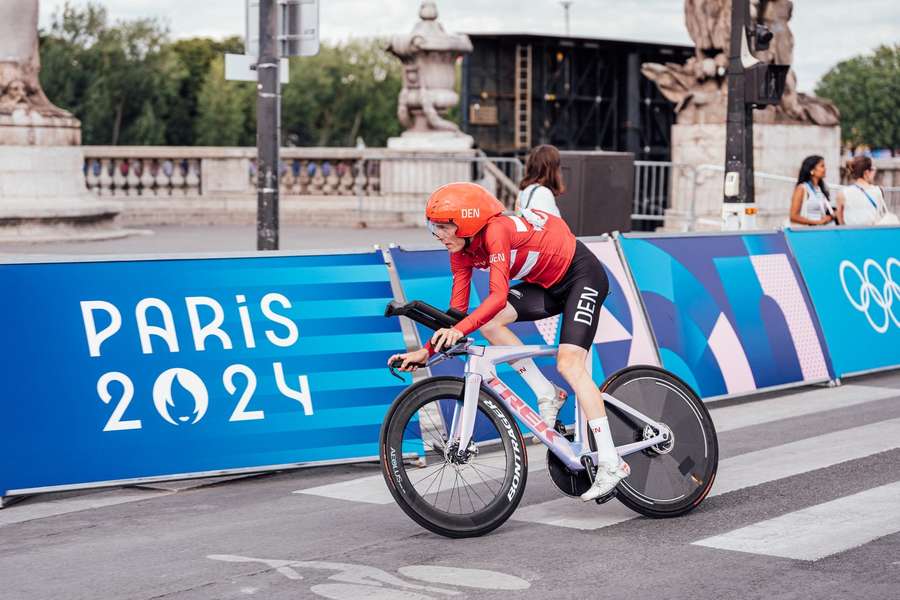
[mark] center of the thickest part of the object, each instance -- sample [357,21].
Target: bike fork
[463,423]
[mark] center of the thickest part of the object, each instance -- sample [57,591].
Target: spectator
[861,202]
[542,183]
[811,203]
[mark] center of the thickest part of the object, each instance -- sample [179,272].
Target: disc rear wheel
[673,477]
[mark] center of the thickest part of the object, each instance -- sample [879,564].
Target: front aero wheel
[452,496]
[673,478]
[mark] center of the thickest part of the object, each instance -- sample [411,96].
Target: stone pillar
[42,190]
[777,150]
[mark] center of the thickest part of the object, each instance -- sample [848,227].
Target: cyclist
[559,275]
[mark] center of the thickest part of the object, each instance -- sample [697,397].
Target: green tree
[196,56]
[223,109]
[120,81]
[348,90]
[866,89]
[128,84]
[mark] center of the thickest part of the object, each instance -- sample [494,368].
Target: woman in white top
[811,203]
[861,202]
[542,183]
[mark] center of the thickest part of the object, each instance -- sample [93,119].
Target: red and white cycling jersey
[511,248]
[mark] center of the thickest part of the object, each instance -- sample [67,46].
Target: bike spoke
[433,474]
[468,495]
[474,491]
[485,481]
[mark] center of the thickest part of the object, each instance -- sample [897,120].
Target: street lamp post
[268,128]
[566,4]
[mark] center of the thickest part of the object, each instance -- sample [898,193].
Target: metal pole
[566,4]
[633,106]
[739,125]
[268,128]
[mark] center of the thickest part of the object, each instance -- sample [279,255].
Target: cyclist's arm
[462,282]
[497,243]
[461,268]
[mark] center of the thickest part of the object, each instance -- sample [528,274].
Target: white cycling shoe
[606,480]
[550,406]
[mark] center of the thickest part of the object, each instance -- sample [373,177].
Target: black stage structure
[521,90]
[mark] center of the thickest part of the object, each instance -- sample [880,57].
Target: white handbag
[885,217]
[888,218]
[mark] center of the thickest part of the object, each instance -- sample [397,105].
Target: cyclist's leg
[497,330]
[586,286]
[528,302]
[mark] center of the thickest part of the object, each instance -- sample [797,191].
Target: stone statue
[699,88]
[44,196]
[428,55]
[20,61]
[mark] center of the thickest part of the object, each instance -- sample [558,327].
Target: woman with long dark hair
[811,202]
[542,183]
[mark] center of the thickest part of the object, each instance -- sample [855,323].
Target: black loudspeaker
[599,191]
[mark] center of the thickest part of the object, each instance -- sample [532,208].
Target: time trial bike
[476,464]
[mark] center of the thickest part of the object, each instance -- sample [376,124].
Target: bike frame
[481,367]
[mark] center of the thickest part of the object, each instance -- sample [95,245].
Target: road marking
[19,513]
[796,405]
[373,489]
[806,455]
[820,530]
[574,514]
[362,582]
[745,470]
[476,578]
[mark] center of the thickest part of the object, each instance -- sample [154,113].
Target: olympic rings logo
[870,294]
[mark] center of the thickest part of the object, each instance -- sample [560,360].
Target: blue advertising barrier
[853,276]
[156,368]
[729,312]
[623,336]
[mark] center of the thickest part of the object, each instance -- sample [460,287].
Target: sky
[825,31]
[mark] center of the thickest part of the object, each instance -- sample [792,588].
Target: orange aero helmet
[467,205]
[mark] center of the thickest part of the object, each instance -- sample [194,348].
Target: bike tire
[508,454]
[674,483]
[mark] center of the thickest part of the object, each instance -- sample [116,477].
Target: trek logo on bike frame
[525,412]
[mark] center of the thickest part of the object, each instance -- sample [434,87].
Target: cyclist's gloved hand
[411,360]
[444,338]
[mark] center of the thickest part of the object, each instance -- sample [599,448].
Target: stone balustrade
[215,184]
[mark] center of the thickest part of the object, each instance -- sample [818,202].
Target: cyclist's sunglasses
[437,228]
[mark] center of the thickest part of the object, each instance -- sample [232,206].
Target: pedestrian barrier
[853,276]
[729,311]
[125,371]
[133,370]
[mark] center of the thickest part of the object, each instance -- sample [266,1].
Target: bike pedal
[560,427]
[606,498]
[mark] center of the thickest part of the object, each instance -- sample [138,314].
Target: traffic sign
[242,67]
[298,27]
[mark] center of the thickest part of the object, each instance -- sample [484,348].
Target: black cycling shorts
[578,296]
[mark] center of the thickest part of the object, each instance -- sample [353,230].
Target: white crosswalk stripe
[373,490]
[820,530]
[50,508]
[796,535]
[745,470]
[805,403]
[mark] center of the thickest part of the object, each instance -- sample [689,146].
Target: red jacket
[511,248]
